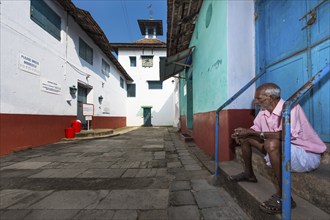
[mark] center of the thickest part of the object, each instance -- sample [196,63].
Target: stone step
[250,195]
[90,134]
[94,133]
[186,138]
[313,186]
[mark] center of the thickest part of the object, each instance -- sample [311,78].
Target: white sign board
[88,109]
[88,118]
[29,64]
[50,87]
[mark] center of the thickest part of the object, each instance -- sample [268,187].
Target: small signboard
[88,118]
[29,64]
[88,109]
[50,86]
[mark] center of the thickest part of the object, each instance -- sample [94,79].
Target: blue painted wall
[291,52]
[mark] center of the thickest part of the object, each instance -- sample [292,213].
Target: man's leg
[274,149]
[274,204]
[246,146]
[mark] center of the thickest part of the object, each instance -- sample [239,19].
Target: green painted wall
[209,67]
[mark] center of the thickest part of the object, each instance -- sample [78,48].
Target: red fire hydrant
[76,125]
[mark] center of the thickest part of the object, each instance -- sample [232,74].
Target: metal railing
[286,139]
[217,118]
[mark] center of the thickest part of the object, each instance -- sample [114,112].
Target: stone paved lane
[148,173]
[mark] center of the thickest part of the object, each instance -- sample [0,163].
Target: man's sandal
[274,205]
[242,177]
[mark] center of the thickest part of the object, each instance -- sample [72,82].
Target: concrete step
[186,138]
[250,195]
[313,186]
[94,133]
[98,133]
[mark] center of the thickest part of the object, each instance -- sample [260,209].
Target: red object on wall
[76,125]
[69,133]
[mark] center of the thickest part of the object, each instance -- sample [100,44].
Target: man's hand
[240,133]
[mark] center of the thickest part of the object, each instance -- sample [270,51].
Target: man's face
[261,100]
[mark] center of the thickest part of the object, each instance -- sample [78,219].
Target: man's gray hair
[271,89]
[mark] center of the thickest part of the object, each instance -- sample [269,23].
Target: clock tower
[150,101]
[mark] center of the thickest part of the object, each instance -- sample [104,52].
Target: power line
[126,18]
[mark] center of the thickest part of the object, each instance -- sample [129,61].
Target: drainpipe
[286,140]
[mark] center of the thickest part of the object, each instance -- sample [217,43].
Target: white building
[49,50]
[150,101]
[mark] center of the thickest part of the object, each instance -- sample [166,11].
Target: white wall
[59,63]
[162,101]
[241,51]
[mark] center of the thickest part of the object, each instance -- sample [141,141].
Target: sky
[118,18]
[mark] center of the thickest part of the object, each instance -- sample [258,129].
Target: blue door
[293,44]
[190,108]
[82,99]
[146,116]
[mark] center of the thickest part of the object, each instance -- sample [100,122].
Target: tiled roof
[149,41]
[93,30]
[142,43]
[181,18]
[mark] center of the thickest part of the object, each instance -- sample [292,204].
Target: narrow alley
[147,173]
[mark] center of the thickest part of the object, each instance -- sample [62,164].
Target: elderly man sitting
[266,134]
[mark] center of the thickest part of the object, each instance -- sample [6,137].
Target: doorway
[190,110]
[82,99]
[146,116]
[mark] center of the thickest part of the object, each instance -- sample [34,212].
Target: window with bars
[121,82]
[105,68]
[46,18]
[155,84]
[131,90]
[85,51]
[132,61]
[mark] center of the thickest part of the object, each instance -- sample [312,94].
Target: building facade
[232,42]
[150,102]
[55,60]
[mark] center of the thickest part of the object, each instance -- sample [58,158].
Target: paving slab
[102,173]
[136,199]
[184,213]
[174,164]
[11,196]
[180,185]
[201,184]
[58,173]
[14,214]
[125,215]
[25,165]
[192,167]
[71,199]
[130,173]
[51,214]
[223,213]
[30,199]
[153,147]
[209,198]
[159,155]
[95,214]
[153,214]
[146,173]
[178,198]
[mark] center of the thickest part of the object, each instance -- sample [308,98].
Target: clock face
[147,62]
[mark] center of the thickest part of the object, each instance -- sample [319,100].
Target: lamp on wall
[100,99]
[73,90]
